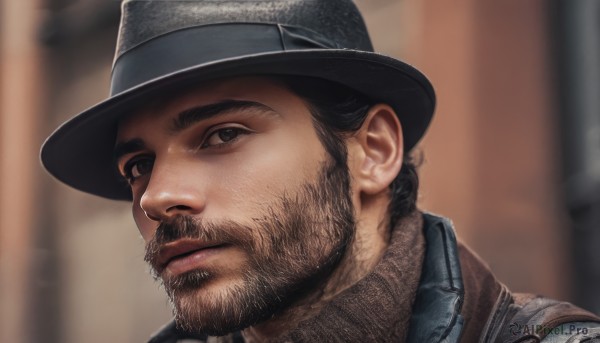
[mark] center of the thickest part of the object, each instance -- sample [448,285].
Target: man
[266,152]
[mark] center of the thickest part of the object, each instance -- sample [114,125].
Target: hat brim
[80,152]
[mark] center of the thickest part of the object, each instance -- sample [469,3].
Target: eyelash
[128,167]
[238,130]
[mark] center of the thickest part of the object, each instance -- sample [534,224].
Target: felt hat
[164,44]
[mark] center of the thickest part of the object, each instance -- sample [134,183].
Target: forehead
[265,90]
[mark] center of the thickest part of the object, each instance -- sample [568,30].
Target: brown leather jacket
[491,313]
[513,317]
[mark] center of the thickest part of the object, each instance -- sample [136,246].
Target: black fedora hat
[171,43]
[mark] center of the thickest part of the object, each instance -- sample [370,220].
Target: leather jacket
[460,300]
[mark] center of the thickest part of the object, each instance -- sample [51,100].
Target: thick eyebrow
[193,115]
[188,117]
[127,147]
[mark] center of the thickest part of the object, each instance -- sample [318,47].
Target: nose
[173,189]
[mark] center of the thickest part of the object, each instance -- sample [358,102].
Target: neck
[365,251]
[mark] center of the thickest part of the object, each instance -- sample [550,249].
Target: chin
[217,308]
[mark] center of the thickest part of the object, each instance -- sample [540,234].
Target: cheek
[263,172]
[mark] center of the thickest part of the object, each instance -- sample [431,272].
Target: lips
[184,254]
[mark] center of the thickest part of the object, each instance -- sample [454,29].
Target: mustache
[187,227]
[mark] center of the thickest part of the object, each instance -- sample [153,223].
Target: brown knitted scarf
[377,308]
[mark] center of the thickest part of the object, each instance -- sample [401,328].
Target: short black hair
[339,111]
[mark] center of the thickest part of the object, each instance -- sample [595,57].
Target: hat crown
[336,20]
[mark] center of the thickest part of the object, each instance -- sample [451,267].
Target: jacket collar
[436,311]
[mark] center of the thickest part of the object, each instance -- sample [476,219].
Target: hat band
[186,48]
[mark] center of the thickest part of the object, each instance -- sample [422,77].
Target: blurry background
[512,155]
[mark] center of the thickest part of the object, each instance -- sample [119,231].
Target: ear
[378,150]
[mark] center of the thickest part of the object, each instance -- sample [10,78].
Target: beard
[291,248]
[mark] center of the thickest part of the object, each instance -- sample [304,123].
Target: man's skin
[229,165]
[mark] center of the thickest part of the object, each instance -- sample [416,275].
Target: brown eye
[223,136]
[137,167]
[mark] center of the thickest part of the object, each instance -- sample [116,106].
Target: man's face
[241,208]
